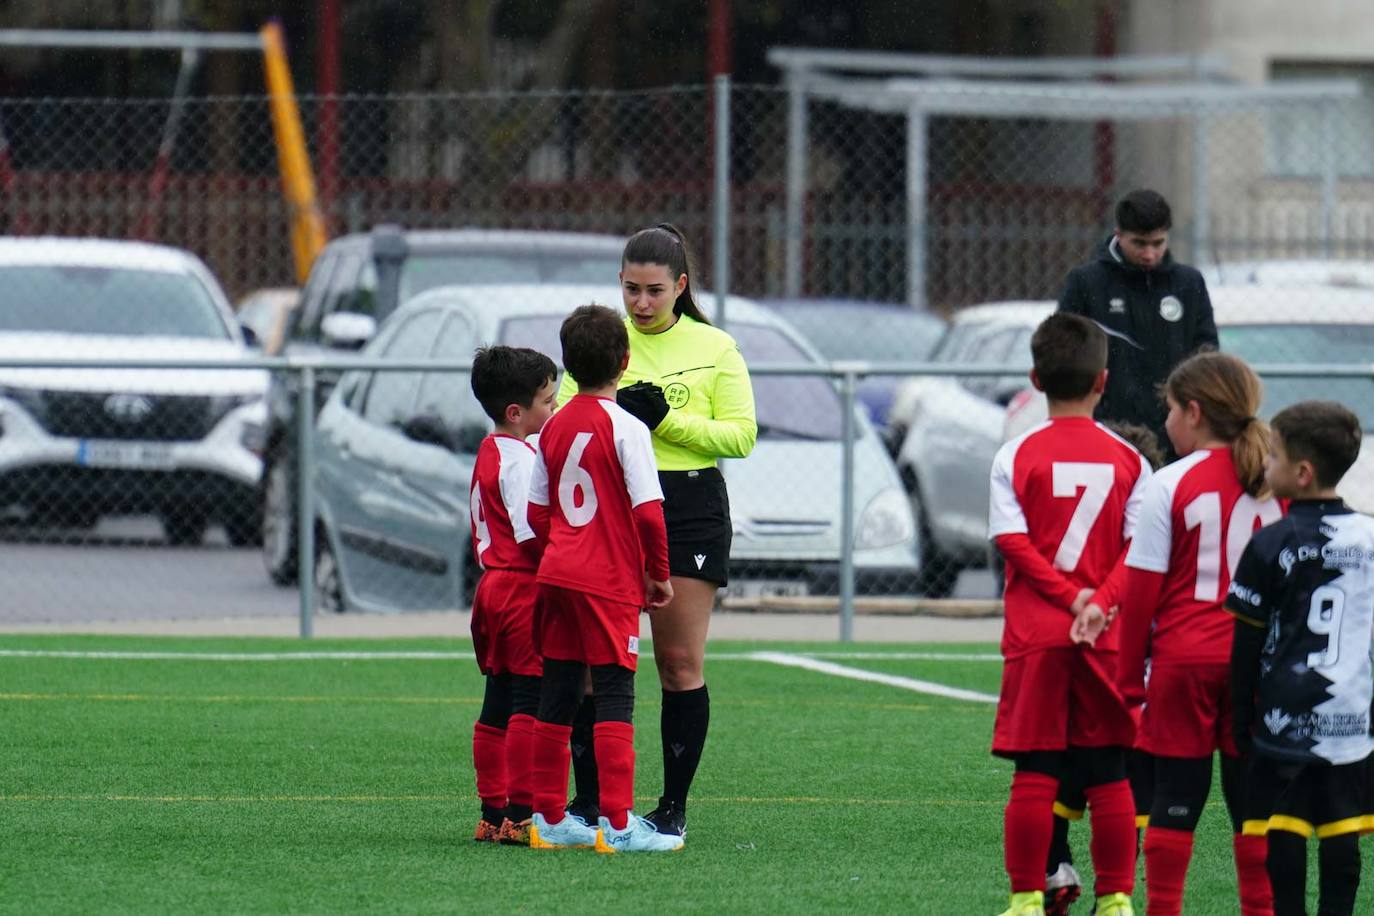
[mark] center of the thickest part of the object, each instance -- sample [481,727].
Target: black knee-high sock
[1059,845]
[686,716]
[586,784]
[1287,866]
[1339,874]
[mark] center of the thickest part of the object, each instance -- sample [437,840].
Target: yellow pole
[308,234]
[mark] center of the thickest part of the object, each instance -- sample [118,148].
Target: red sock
[1256,895]
[519,759]
[550,758]
[1113,840]
[489,759]
[1167,853]
[615,764]
[1029,828]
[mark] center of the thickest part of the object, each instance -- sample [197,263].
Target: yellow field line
[444,701]
[464,799]
[229,698]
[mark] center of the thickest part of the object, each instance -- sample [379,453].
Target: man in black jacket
[1156,311]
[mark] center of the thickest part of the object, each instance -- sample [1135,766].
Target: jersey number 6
[573,478]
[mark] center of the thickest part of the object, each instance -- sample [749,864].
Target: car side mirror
[428,429]
[347,330]
[250,337]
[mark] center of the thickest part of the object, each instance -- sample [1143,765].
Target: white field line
[858,674]
[446,656]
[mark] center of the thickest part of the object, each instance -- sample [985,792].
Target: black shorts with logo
[696,510]
[1307,798]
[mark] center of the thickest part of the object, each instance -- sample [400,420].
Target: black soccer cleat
[669,818]
[585,809]
[1062,888]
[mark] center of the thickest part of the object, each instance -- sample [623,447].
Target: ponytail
[1228,392]
[665,244]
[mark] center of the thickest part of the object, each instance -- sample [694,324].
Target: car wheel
[243,524]
[328,588]
[939,571]
[186,527]
[279,520]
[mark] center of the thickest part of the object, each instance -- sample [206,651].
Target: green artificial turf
[345,785]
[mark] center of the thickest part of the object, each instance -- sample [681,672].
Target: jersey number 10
[1204,512]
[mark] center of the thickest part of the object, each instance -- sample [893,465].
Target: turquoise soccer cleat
[569,833]
[638,836]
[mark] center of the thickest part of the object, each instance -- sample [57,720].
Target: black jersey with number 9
[1309,581]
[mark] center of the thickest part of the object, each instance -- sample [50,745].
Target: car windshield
[429,271]
[106,300]
[787,407]
[876,333]
[1320,344]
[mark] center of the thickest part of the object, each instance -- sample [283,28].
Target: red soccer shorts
[1187,711]
[577,627]
[1056,698]
[503,623]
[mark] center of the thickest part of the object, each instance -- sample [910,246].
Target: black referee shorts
[1307,798]
[696,510]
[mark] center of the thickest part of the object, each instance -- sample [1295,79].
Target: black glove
[645,401]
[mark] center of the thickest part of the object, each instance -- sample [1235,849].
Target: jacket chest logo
[1117,306]
[677,395]
[1170,309]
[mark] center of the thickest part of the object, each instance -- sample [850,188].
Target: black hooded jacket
[1155,319]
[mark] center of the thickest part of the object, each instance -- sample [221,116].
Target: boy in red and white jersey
[606,559]
[516,388]
[1064,500]
[1197,516]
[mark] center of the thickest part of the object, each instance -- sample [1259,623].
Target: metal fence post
[796,181]
[848,386]
[1328,140]
[305,496]
[1201,191]
[917,212]
[721,256]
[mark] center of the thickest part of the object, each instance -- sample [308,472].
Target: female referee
[688,383]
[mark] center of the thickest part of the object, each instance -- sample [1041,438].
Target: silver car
[953,428]
[395,452]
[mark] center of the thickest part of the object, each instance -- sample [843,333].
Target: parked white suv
[76,444]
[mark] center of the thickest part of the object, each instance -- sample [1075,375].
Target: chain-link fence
[178,485]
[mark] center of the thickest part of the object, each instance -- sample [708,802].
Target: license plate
[765,588]
[99,453]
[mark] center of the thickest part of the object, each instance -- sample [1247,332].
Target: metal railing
[846,376]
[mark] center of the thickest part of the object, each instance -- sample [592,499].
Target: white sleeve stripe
[1005,513]
[634,446]
[517,467]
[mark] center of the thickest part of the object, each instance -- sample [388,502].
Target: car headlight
[220,405]
[885,521]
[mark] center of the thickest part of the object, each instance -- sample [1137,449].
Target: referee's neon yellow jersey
[706,384]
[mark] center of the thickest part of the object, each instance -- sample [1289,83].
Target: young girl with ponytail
[1196,517]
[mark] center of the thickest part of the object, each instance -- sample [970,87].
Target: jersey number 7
[1095,482]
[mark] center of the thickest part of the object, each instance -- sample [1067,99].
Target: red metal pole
[327,80]
[720,39]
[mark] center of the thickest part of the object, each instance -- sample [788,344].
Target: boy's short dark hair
[1143,210]
[1323,432]
[1069,352]
[594,345]
[502,376]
